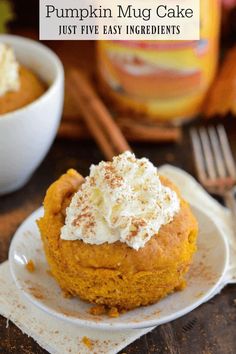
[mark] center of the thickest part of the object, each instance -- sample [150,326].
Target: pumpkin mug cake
[19,86]
[122,237]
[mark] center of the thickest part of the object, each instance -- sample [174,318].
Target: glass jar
[162,80]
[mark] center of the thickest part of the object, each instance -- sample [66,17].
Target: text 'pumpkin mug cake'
[122,237]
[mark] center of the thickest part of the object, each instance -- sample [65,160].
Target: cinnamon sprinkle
[36,293]
[112,178]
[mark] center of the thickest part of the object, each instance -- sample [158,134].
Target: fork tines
[213,156]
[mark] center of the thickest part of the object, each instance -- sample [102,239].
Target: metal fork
[215,164]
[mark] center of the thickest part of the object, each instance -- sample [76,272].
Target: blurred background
[151,89]
[179,83]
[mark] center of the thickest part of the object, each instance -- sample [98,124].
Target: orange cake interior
[31,88]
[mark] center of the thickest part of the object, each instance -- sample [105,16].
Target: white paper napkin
[195,194]
[59,337]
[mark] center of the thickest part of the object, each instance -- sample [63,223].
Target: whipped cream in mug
[9,70]
[123,200]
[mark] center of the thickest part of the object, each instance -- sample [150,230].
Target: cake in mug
[122,237]
[19,86]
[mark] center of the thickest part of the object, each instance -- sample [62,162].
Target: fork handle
[230,202]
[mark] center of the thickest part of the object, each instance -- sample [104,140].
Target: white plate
[205,276]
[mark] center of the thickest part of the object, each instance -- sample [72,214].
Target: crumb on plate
[87,342]
[104,310]
[30,266]
[97,310]
[113,312]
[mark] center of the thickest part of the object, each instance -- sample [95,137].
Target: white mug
[27,133]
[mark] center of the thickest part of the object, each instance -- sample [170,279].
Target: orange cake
[19,86]
[118,266]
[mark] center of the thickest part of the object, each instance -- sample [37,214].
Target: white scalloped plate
[205,277]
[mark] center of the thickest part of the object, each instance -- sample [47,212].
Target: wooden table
[210,329]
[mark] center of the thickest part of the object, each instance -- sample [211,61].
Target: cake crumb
[36,293]
[181,286]
[30,266]
[87,342]
[97,310]
[113,312]
[66,294]
[200,294]
[104,310]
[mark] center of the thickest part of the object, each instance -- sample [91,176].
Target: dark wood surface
[210,329]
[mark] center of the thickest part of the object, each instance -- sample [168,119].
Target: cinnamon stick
[148,132]
[96,116]
[75,129]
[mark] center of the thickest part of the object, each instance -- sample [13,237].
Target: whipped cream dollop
[123,200]
[9,70]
